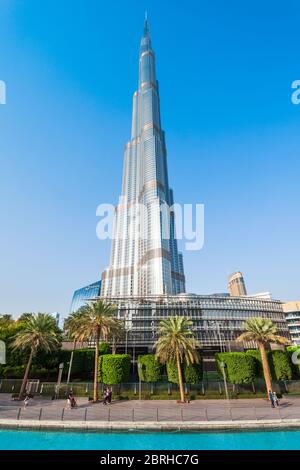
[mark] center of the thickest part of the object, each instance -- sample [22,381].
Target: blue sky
[225,71]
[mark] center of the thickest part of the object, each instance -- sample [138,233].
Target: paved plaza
[167,411]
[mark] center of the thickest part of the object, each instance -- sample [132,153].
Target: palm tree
[117,333]
[71,328]
[95,321]
[6,320]
[39,332]
[263,332]
[177,342]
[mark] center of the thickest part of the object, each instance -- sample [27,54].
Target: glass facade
[81,296]
[217,321]
[144,255]
[293,321]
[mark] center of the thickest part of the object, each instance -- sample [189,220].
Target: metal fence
[208,389]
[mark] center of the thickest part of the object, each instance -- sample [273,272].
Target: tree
[71,329]
[95,321]
[6,320]
[24,317]
[263,332]
[39,332]
[177,344]
[117,332]
[149,368]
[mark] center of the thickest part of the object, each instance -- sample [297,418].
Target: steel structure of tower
[144,254]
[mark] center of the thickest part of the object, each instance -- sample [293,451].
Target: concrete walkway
[150,414]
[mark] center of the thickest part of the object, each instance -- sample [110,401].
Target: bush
[150,369]
[282,369]
[13,372]
[172,372]
[257,358]
[104,348]
[240,367]
[295,367]
[83,363]
[115,368]
[279,364]
[192,374]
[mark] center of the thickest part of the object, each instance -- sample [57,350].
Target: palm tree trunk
[180,380]
[95,398]
[114,346]
[71,362]
[265,365]
[25,378]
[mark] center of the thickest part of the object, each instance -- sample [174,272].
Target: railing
[164,390]
[118,413]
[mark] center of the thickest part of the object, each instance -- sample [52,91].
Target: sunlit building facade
[145,279]
[144,255]
[217,319]
[292,316]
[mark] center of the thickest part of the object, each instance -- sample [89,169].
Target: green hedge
[149,368]
[295,367]
[240,367]
[281,366]
[17,372]
[83,363]
[104,348]
[279,363]
[114,369]
[192,374]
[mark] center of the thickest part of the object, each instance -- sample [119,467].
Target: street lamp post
[60,371]
[223,366]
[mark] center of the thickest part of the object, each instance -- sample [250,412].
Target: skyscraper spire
[146,25]
[144,261]
[146,40]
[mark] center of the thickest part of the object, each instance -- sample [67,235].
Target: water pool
[262,440]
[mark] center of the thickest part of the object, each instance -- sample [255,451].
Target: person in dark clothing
[271,398]
[105,396]
[275,399]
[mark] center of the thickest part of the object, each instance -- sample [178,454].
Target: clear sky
[225,71]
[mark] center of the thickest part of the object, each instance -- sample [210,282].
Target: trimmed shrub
[115,368]
[258,363]
[192,374]
[104,348]
[150,369]
[282,369]
[83,363]
[172,372]
[240,367]
[279,364]
[100,374]
[295,367]
[13,372]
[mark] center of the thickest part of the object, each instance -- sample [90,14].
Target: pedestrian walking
[26,400]
[275,399]
[109,396]
[271,398]
[105,396]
